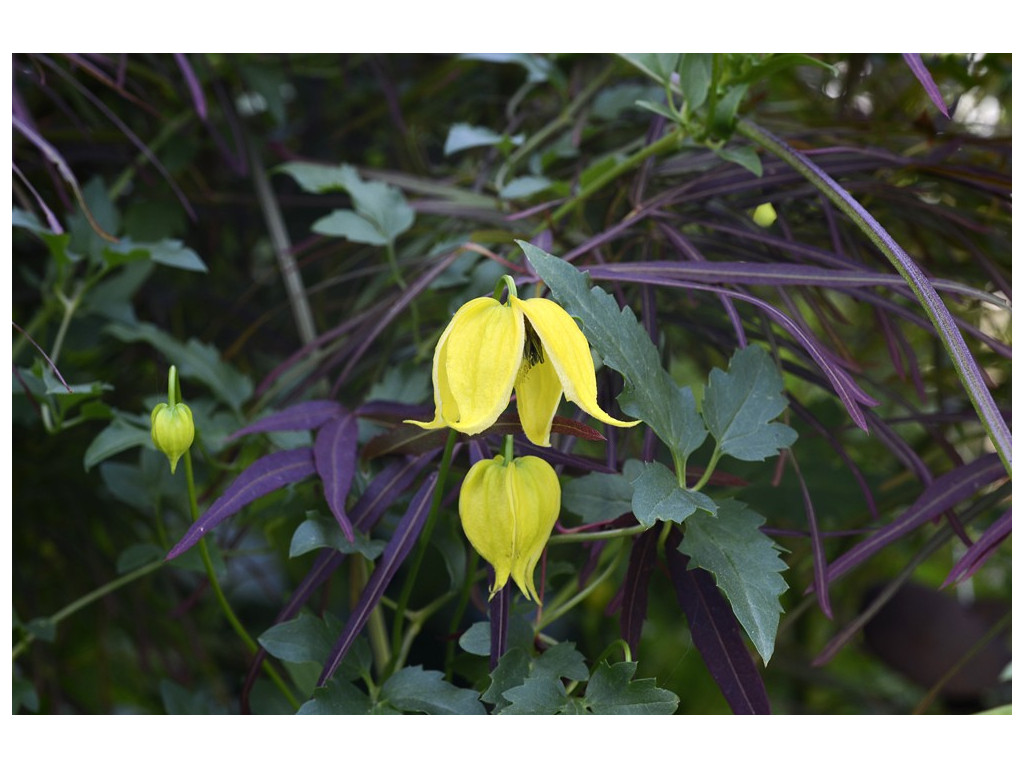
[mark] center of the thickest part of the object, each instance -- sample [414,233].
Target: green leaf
[739,406]
[173,253]
[414,689]
[726,109]
[118,436]
[597,497]
[695,77]
[464,136]
[659,66]
[23,694]
[612,691]
[302,639]
[658,108]
[657,496]
[650,393]
[138,555]
[743,156]
[320,531]
[317,177]
[524,186]
[338,697]
[534,683]
[536,696]
[195,360]
[57,244]
[538,69]
[746,565]
[351,226]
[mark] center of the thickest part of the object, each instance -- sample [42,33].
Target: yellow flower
[173,430]
[531,346]
[508,510]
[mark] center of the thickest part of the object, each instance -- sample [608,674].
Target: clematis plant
[508,508]
[532,346]
[173,429]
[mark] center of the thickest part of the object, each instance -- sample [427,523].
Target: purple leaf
[634,588]
[308,415]
[817,546]
[925,78]
[979,552]
[717,636]
[394,555]
[945,493]
[335,456]
[193,85]
[260,478]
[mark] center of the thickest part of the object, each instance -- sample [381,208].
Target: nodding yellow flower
[173,430]
[508,509]
[532,346]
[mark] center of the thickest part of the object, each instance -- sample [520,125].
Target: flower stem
[615,533]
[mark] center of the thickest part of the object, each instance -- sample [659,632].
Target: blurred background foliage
[178,154]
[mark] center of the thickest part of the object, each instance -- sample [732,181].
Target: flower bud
[764,215]
[508,510]
[173,430]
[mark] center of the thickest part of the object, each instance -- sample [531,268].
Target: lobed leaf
[414,689]
[613,691]
[657,496]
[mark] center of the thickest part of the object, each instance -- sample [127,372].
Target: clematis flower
[508,509]
[172,430]
[531,346]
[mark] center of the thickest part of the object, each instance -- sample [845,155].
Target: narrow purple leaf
[817,546]
[334,454]
[716,635]
[497,611]
[309,415]
[945,325]
[945,493]
[394,555]
[634,587]
[979,552]
[193,85]
[260,478]
[925,78]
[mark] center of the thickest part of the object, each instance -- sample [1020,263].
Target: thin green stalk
[559,611]
[70,306]
[421,549]
[615,533]
[708,470]
[667,142]
[460,611]
[87,600]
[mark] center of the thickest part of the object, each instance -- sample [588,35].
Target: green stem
[421,550]
[667,142]
[222,600]
[559,611]
[708,470]
[460,611]
[70,306]
[615,533]
[88,599]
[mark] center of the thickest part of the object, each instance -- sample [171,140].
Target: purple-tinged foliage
[717,635]
[195,89]
[817,547]
[311,414]
[946,492]
[263,476]
[925,78]
[979,552]
[334,454]
[497,612]
[397,549]
[633,601]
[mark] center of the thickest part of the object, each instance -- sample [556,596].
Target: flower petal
[475,366]
[538,393]
[566,348]
[488,520]
[536,500]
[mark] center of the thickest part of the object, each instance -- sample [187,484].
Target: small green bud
[764,215]
[173,430]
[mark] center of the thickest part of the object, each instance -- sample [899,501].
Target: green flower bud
[508,510]
[764,215]
[173,430]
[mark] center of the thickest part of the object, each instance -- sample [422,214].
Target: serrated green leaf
[612,691]
[338,697]
[746,565]
[118,436]
[414,689]
[650,393]
[536,696]
[597,497]
[320,531]
[517,668]
[739,407]
[562,660]
[657,496]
